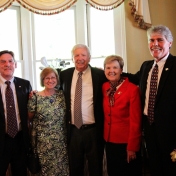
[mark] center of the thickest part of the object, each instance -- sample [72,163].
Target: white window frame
[28,46]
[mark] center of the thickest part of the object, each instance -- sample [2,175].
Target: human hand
[173,156]
[131,155]
[32,93]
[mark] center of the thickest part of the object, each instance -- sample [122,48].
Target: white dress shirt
[87,96]
[3,86]
[160,69]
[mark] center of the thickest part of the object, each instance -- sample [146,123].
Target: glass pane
[98,62]
[10,31]
[101,32]
[53,64]
[18,70]
[54,35]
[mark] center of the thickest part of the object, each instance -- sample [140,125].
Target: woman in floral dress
[49,125]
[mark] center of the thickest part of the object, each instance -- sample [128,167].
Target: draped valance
[46,7]
[4,4]
[139,10]
[50,7]
[104,4]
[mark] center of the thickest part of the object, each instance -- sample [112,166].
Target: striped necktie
[78,102]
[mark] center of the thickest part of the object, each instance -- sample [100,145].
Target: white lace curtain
[139,10]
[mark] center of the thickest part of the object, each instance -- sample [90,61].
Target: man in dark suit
[13,148]
[87,140]
[160,133]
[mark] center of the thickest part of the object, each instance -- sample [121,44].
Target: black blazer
[98,78]
[165,104]
[23,88]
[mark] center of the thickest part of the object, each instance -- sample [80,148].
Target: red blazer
[122,122]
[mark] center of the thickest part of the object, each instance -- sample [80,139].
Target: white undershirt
[160,69]
[87,96]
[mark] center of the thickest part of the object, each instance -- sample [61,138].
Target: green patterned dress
[49,128]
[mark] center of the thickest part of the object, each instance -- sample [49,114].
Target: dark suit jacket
[23,88]
[98,78]
[165,104]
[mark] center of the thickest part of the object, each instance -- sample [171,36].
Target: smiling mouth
[155,49]
[80,62]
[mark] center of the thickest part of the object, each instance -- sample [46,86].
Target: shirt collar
[2,80]
[86,70]
[163,59]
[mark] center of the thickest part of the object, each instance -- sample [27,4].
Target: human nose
[155,42]
[111,69]
[7,63]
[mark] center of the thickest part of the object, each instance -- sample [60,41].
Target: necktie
[152,94]
[12,128]
[78,102]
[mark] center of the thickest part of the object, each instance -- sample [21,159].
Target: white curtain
[140,12]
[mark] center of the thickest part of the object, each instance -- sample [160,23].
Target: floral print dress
[49,133]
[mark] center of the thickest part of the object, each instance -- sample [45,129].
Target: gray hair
[163,30]
[80,46]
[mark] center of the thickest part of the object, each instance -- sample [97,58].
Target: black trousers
[117,164]
[160,162]
[15,155]
[84,143]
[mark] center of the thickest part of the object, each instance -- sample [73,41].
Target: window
[101,31]
[10,35]
[54,36]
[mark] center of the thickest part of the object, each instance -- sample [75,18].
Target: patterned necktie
[152,94]
[78,102]
[12,128]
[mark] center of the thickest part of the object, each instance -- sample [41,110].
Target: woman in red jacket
[122,121]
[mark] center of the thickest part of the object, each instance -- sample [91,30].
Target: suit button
[108,123]
[108,114]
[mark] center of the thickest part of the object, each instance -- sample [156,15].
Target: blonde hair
[111,58]
[47,71]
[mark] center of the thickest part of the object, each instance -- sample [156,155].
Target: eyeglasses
[48,78]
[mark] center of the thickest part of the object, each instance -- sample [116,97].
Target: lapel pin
[19,86]
[119,93]
[166,69]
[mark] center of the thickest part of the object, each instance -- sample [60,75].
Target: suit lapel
[166,70]
[121,89]
[1,106]
[144,76]
[67,86]
[95,81]
[18,90]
